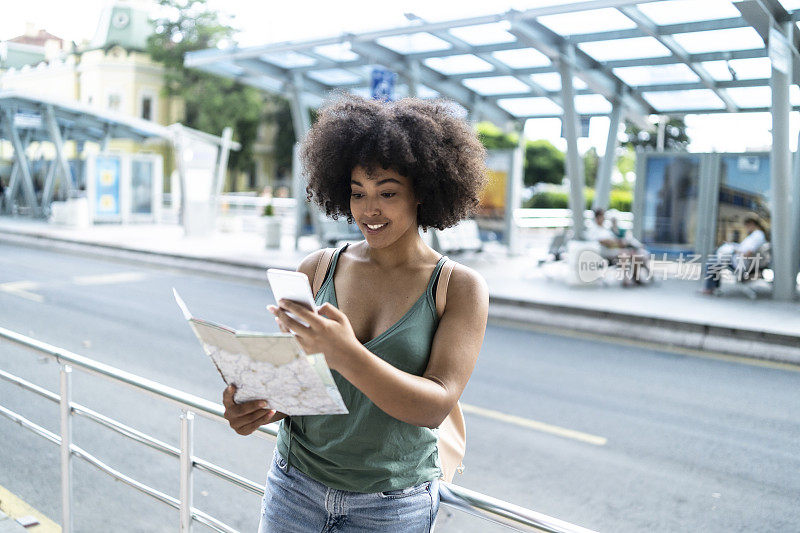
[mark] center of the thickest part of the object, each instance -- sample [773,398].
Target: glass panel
[745,69]
[106,186]
[459,64]
[496,85]
[288,59]
[744,188]
[529,106]
[656,74]
[636,48]
[551,81]
[337,52]
[591,104]
[142,187]
[522,58]
[790,4]
[745,97]
[684,100]
[591,21]
[670,206]
[334,76]
[413,43]
[719,40]
[679,11]
[484,34]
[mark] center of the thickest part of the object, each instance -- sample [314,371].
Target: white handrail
[492,509]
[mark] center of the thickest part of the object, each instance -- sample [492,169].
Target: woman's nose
[372,206]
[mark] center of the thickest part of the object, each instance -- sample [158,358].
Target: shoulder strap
[319,273]
[441,287]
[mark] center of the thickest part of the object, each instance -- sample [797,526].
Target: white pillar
[602,188]
[781,170]
[513,193]
[574,166]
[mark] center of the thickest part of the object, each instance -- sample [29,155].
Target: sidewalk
[669,311]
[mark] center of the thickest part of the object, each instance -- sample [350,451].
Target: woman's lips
[377,230]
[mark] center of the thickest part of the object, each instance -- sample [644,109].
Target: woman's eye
[356,195]
[388,194]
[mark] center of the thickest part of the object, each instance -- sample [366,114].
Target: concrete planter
[272,232]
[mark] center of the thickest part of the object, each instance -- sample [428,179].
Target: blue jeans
[293,502]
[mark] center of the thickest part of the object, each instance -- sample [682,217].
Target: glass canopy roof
[648,56]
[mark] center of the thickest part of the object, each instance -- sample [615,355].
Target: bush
[619,200]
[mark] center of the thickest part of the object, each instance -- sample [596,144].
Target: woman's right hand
[247,417]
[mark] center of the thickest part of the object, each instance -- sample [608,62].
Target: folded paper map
[269,366]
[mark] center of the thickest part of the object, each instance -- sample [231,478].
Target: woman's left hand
[328,331]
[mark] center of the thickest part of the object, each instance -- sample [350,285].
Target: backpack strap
[319,273]
[441,286]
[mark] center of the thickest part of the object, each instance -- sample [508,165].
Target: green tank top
[367,450]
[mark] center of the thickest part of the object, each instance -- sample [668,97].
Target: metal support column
[66,451]
[187,465]
[301,123]
[574,166]
[222,162]
[796,211]
[49,186]
[413,78]
[602,189]
[24,166]
[781,167]
[62,165]
[514,194]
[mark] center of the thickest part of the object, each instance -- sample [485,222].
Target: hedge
[619,200]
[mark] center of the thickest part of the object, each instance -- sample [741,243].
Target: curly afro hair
[424,140]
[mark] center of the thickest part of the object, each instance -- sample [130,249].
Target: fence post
[66,444]
[187,450]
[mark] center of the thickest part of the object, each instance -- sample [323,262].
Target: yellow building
[111,72]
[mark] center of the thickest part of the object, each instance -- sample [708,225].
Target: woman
[392,168]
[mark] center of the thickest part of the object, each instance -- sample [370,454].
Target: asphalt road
[616,437]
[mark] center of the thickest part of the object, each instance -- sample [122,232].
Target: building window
[147,107]
[114,101]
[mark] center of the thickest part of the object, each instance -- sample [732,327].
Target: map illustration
[269,366]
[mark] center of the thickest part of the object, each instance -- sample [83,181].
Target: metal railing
[475,503]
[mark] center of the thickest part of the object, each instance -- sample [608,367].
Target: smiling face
[383,205]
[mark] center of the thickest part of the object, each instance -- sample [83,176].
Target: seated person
[740,258]
[618,248]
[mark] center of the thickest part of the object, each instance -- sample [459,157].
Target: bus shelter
[119,187]
[624,59]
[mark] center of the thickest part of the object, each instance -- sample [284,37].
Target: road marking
[533,424]
[21,289]
[563,332]
[107,279]
[15,508]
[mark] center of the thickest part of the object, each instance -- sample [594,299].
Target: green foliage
[619,200]
[543,163]
[211,102]
[493,137]
[591,162]
[268,211]
[280,116]
[675,137]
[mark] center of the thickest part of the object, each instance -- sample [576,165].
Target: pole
[602,190]
[781,168]
[574,167]
[66,445]
[187,464]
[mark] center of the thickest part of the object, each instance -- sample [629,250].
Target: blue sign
[383,84]
[107,176]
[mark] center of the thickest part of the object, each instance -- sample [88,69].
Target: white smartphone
[290,285]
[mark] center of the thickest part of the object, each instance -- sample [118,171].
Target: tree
[675,137]
[591,162]
[543,161]
[211,102]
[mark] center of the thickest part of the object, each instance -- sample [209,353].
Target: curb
[741,342]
